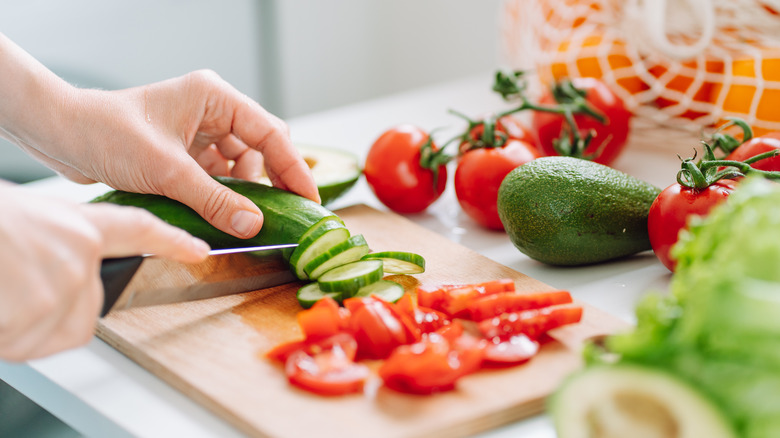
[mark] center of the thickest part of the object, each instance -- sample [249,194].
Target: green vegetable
[310,293]
[631,400]
[346,251]
[350,277]
[719,328]
[399,262]
[387,290]
[569,211]
[320,238]
[287,216]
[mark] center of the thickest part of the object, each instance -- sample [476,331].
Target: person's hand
[50,255]
[159,139]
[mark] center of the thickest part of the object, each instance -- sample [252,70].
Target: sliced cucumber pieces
[319,239]
[398,262]
[344,252]
[385,289]
[350,277]
[311,293]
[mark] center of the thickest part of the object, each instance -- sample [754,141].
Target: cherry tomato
[328,370]
[609,139]
[532,323]
[672,209]
[508,125]
[431,365]
[378,327]
[507,302]
[479,174]
[758,145]
[393,171]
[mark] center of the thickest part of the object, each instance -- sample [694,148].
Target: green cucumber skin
[287,216]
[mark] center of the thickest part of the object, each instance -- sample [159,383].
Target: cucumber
[632,400]
[350,277]
[398,262]
[387,290]
[349,250]
[287,216]
[309,294]
[320,237]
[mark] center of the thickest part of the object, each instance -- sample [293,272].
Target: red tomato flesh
[506,302]
[532,323]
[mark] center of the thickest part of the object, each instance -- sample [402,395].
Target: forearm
[33,100]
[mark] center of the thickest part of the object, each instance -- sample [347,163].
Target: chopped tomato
[431,365]
[330,371]
[325,318]
[532,323]
[453,299]
[426,320]
[378,326]
[493,305]
[512,351]
[345,341]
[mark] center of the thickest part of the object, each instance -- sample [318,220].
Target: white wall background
[293,56]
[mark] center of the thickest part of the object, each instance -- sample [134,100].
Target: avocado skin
[569,211]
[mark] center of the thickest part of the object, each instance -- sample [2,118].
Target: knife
[149,280]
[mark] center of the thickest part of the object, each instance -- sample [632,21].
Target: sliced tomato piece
[344,341]
[325,318]
[512,351]
[328,371]
[453,299]
[431,365]
[506,302]
[532,323]
[379,327]
[426,320]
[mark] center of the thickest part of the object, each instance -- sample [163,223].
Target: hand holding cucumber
[164,138]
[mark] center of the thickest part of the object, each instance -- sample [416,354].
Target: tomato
[378,327]
[431,365]
[508,126]
[328,370]
[506,302]
[672,209]
[532,323]
[512,351]
[609,139]
[427,320]
[758,145]
[479,174]
[453,299]
[324,318]
[394,173]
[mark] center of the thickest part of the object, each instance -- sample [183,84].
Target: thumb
[220,206]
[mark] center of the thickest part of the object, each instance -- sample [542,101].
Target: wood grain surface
[212,351]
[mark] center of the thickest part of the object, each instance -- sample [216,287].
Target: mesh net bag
[684,63]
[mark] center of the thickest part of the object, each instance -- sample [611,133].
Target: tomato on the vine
[759,145]
[672,209]
[609,138]
[509,126]
[405,169]
[479,174]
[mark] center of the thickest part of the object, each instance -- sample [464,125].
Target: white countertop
[100,392]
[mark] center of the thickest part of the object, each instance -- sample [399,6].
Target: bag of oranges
[687,63]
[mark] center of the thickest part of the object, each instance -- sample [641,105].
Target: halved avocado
[632,401]
[335,171]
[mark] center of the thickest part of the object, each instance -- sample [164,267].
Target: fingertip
[245,223]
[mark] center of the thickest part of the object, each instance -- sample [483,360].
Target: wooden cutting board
[212,351]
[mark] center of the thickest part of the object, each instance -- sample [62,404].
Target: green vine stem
[710,170]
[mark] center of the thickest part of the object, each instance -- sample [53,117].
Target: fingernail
[244,222]
[200,247]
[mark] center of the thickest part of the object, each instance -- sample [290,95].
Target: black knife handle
[116,273]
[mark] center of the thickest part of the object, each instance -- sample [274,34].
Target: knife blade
[148,280]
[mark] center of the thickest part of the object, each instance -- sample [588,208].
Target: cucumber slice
[347,251]
[350,277]
[385,289]
[315,242]
[398,262]
[632,400]
[311,293]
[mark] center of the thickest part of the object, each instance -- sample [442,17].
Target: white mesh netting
[687,63]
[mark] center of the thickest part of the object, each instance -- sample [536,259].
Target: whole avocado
[569,211]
